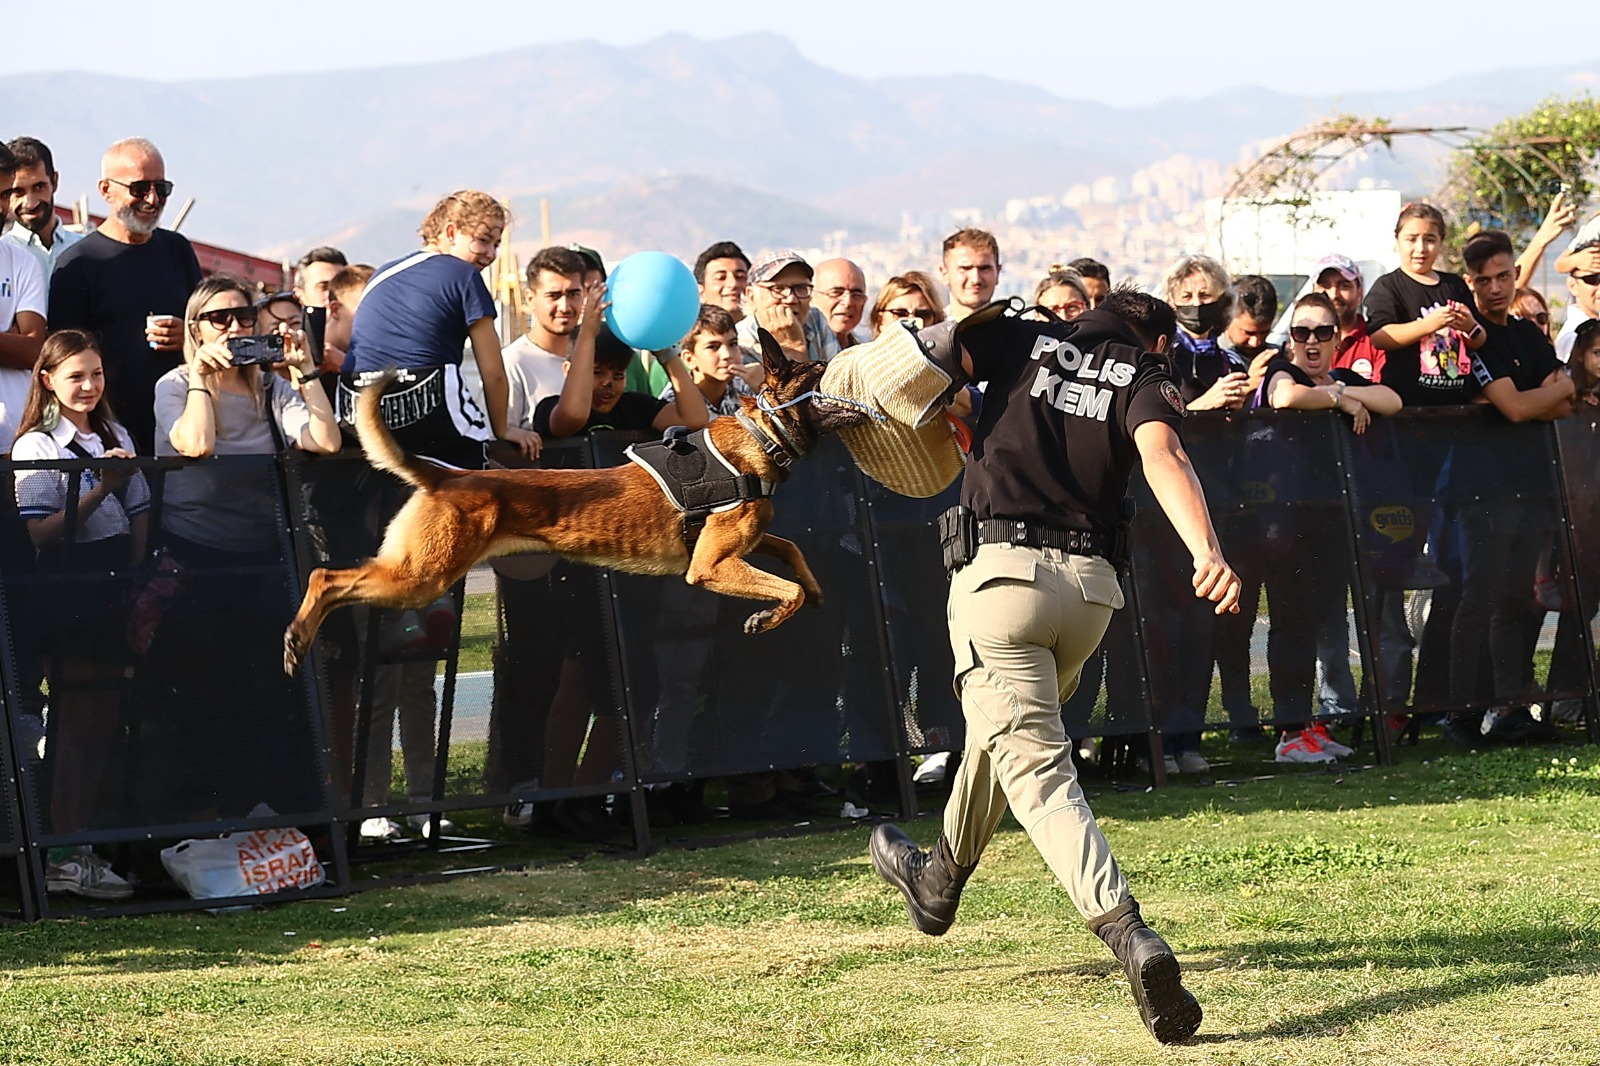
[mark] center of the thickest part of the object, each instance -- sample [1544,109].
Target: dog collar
[775,451]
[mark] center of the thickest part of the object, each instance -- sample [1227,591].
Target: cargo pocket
[1098,581]
[966,657]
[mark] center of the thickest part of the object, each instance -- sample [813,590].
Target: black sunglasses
[140,189]
[1302,334]
[1588,279]
[905,312]
[245,316]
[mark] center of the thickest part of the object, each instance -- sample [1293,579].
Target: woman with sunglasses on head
[1306,576]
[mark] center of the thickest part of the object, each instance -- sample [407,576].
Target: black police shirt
[1438,368]
[1054,444]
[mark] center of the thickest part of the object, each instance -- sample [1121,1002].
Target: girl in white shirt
[67,418]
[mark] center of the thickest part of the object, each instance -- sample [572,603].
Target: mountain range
[670,144]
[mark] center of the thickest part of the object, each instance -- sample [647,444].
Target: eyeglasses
[799,291]
[854,294]
[1072,310]
[140,189]
[1302,334]
[1541,317]
[1588,279]
[906,312]
[219,319]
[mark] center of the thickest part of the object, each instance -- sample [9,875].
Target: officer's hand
[1215,580]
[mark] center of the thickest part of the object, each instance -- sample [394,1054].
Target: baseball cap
[590,257]
[770,267]
[1342,263]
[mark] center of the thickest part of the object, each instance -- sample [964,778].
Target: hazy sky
[1077,50]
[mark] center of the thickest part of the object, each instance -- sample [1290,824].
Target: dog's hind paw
[761,621]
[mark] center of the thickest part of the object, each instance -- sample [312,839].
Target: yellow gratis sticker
[1394,522]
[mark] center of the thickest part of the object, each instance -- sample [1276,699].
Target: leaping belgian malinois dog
[618,517]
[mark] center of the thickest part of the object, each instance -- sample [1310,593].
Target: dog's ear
[772,356]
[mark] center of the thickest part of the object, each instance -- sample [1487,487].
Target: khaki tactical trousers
[1022,622]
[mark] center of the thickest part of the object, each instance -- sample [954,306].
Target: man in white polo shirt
[22,322]
[28,184]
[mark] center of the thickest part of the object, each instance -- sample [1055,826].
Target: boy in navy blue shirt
[418,313]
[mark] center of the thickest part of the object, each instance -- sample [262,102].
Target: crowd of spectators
[121,318]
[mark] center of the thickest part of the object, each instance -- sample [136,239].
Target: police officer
[1069,408]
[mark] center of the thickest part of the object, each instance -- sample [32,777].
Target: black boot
[1169,1011]
[930,880]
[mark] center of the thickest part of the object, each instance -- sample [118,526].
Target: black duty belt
[1032,535]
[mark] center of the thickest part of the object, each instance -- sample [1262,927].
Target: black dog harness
[696,478]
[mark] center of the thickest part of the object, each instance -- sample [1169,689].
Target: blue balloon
[654,301]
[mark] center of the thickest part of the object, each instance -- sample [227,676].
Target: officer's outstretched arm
[1177,490]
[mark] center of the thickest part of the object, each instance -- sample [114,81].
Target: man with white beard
[128,283]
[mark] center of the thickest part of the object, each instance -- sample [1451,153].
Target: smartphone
[253,351]
[1557,187]
[314,322]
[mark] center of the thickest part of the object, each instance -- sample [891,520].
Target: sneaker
[1089,751]
[83,873]
[1168,763]
[1192,762]
[517,815]
[30,737]
[1509,725]
[1425,575]
[423,824]
[1301,747]
[381,829]
[933,769]
[1327,743]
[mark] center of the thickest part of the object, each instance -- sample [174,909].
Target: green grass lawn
[1441,912]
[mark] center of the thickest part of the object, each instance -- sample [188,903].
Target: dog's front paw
[761,621]
[293,652]
[814,596]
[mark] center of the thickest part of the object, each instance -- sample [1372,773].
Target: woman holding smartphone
[216,650]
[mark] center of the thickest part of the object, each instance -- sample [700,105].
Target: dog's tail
[379,445]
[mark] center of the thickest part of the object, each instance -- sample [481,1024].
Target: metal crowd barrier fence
[145,693]
[143,708]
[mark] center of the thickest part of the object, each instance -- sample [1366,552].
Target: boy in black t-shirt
[593,396]
[1512,518]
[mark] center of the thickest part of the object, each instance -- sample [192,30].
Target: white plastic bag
[256,862]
